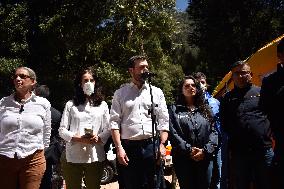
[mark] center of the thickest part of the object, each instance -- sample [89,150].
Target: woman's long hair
[79,97]
[199,99]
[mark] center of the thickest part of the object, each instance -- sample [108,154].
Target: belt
[137,142]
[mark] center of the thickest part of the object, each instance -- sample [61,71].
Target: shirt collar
[32,97]
[144,86]
[186,108]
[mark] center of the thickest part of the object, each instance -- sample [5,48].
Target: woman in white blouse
[25,126]
[84,127]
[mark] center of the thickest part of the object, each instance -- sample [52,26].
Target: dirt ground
[114,185]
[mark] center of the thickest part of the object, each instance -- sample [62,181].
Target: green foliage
[230,30]
[8,65]
[110,78]
[13,28]
[169,76]
[6,68]
[58,38]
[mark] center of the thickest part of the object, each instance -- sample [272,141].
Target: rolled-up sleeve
[65,123]
[105,134]
[163,114]
[47,125]
[115,112]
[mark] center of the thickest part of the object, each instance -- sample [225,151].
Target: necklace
[21,100]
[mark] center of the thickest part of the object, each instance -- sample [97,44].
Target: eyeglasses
[22,76]
[187,86]
[241,73]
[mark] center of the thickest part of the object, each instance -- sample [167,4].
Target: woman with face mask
[84,127]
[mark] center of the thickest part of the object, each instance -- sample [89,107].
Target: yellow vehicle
[262,63]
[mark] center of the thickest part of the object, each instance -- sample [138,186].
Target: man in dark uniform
[272,101]
[248,130]
[53,156]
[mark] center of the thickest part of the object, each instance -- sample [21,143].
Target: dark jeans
[192,174]
[216,172]
[139,174]
[224,180]
[220,171]
[251,166]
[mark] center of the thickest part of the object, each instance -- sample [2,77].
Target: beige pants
[25,173]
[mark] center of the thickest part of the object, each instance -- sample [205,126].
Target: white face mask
[89,88]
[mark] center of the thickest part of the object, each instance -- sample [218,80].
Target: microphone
[145,75]
[21,108]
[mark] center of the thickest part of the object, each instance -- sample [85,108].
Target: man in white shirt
[131,127]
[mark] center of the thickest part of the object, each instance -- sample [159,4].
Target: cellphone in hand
[88,132]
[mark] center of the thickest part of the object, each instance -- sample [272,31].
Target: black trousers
[46,182]
[143,171]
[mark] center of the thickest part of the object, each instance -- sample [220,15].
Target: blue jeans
[139,173]
[224,180]
[251,166]
[192,174]
[220,173]
[216,172]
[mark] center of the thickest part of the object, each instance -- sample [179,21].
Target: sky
[181,4]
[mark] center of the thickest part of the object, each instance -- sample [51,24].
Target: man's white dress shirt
[130,111]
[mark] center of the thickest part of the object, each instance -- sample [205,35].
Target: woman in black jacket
[192,136]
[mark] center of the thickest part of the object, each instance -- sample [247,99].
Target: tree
[59,37]
[230,30]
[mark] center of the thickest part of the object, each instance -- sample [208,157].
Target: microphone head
[145,75]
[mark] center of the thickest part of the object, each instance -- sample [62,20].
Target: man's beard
[140,79]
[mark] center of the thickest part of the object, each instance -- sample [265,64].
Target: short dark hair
[42,90]
[199,75]
[131,61]
[236,64]
[280,46]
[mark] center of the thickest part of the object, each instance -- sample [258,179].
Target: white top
[129,111]
[73,122]
[23,131]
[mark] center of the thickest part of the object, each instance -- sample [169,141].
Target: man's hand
[95,139]
[81,139]
[193,151]
[197,154]
[122,156]
[162,151]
